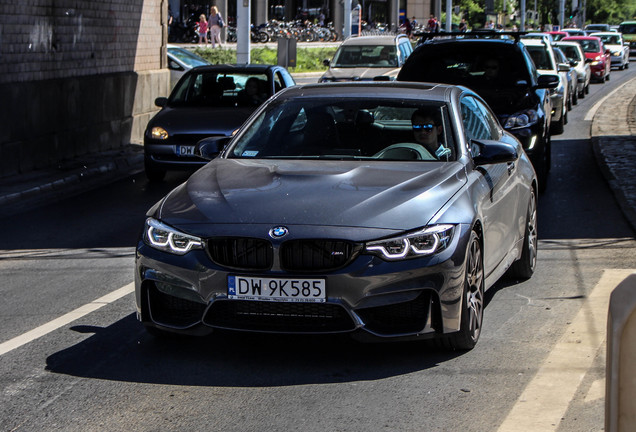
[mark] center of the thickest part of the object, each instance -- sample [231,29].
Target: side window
[478,122]
[278,82]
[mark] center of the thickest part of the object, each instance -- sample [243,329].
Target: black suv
[499,68]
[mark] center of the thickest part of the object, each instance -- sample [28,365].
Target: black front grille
[278,317]
[406,317]
[316,255]
[173,311]
[241,253]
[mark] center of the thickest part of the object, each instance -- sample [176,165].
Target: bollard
[620,376]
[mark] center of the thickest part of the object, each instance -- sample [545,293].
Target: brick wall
[77,76]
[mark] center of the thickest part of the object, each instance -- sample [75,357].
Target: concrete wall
[77,77]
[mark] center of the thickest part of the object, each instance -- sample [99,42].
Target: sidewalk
[613,138]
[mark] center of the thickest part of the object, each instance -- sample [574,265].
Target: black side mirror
[548,81]
[209,148]
[326,62]
[161,102]
[491,152]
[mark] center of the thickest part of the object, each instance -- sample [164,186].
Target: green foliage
[307,59]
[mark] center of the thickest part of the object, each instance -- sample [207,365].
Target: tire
[587,89]
[524,267]
[542,163]
[472,313]
[575,97]
[153,173]
[263,37]
[558,127]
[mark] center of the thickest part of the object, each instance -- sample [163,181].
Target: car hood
[363,73]
[388,195]
[201,120]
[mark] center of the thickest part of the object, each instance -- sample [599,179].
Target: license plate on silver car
[276,289]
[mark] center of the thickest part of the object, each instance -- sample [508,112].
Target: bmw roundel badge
[278,232]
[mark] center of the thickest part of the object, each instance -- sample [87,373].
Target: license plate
[275,289]
[185,150]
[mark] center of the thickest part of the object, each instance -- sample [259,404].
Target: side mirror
[588,60]
[209,148]
[326,62]
[548,81]
[573,63]
[161,102]
[491,152]
[562,67]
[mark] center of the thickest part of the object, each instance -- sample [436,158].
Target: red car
[558,35]
[598,55]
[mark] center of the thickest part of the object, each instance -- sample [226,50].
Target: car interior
[341,130]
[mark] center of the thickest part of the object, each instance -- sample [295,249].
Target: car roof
[238,68]
[534,42]
[569,38]
[369,89]
[372,40]
[607,33]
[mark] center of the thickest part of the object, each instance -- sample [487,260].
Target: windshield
[610,39]
[348,128]
[627,28]
[214,88]
[589,46]
[477,66]
[351,56]
[571,52]
[541,58]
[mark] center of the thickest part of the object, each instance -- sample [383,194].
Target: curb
[48,186]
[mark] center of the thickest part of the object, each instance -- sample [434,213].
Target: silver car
[381,210]
[181,60]
[367,58]
[575,55]
[614,42]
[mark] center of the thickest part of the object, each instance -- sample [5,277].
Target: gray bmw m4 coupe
[383,210]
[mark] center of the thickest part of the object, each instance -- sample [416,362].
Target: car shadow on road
[123,351]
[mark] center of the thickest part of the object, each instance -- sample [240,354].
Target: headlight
[594,63]
[522,119]
[159,133]
[160,236]
[428,241]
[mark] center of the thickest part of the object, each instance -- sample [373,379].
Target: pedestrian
[203,29]
[408,29]
[216,24]
[463,25]
[433,24]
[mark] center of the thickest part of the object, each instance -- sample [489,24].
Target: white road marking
[590,114]
[55,324]
[547,397]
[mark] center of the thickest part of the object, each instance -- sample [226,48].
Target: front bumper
[402,299]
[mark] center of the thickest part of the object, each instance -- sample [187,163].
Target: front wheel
[524,267]
[473,298]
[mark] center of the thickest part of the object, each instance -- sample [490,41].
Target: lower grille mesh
[279,317]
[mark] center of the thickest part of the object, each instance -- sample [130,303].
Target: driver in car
[427,131]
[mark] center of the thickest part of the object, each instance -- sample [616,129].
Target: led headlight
[522,119]
[427,241]
[159,133]
[160,236]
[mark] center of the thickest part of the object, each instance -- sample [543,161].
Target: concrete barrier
[620,377]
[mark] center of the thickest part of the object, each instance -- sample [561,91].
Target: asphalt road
[74,358]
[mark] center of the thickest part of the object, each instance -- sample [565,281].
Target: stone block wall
[77,77]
